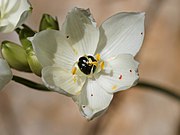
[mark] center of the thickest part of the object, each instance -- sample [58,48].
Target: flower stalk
[157,88]
[29,83]
[141,84]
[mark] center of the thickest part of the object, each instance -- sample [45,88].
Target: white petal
[123,75]
[14,12]
[121,33]
[93,99]
[5,73]
[51,48]
[62,81]
[81,32]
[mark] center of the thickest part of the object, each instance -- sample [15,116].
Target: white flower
[5,73]
[90,63]
[13,13]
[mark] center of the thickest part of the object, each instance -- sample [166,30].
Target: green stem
[142,84]
[159,89]
[29,83]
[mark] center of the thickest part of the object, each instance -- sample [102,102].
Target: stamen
[102,65]
[98,57]
[93,63]
[73,71]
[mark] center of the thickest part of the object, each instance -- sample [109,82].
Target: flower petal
[51,48]
[121,33]
[5,73]
[123,75]
[81,32]
[14,12]
[62,81]
[93,99]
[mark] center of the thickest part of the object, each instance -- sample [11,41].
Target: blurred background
[138,111]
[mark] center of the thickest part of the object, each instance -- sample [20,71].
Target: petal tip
[89,113]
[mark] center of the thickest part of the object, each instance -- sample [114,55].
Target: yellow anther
[114,87]
[73,71]
[98,57]
[102,65]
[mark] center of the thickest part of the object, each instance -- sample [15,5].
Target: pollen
[73,71]
[98,57]
[114,87]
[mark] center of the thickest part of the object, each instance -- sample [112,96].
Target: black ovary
[84,66]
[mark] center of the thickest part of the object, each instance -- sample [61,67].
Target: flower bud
[48,22]
[33,62]
[15,55]
[24,32]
